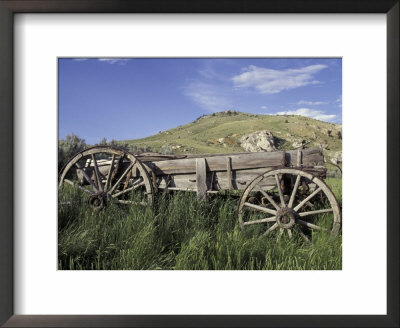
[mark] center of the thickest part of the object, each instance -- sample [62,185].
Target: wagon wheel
[102,174]
[289,201]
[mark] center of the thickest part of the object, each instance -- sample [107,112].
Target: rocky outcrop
[258,141]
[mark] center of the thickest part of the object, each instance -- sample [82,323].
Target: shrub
[68,147]
[166,149]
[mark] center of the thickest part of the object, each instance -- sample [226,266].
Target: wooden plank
[310,157]
[218,163]
[186,164]
[299,159]
[240,179]
[229,172]
[201,178]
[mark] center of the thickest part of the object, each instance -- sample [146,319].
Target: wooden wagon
[282,190]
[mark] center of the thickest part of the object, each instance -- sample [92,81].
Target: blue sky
[134,98]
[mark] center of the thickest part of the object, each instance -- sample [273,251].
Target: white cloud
[311,103]
[119,61]
[339,101]
[312,113]
[266,80]
[80,59]
[207,96]
[264,107]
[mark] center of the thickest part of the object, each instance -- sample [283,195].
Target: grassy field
[183,234]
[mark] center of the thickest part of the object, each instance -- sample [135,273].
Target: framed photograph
[214,163]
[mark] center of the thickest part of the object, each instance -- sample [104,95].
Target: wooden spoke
[87,177]
[307,199]
[316,212]
[310,225]
[270,219]
[260,208]
[301,233]
[268,197]
[278,182]
[100,167]
[128,189]
[78,186]
[97,173]
[109,173]
[296,186]
[318,196]
[272,228]
[121,178]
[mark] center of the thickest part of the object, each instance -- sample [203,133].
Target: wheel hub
[286,218]
[98,201]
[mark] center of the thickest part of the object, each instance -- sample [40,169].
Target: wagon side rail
[210,174]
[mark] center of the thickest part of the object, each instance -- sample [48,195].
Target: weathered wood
[310,225]
[268,197]
[273,227]
[103,169]
[260,208]
[135,186]
[218,163]
[299,159]
[299,174]
[251,163]
[305,238]
[296,186]
[309,157]
[201,178]
[328,210]
[240,180]
[270,219]
[88,179]
[121,178]
[109,168]
[278,183]
[229,172]
[97,173]
[304,201]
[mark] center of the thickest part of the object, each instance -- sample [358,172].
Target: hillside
[221,133]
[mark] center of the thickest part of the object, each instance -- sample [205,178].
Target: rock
[324,145]
[227,141]
[336,157]
[299,143]
[258,141]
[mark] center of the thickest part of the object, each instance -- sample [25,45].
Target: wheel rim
[104,174]
[289,200]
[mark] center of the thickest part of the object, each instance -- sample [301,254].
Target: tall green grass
[183,234]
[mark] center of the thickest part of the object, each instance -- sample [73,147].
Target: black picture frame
[10,7]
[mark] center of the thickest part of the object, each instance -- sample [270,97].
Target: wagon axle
[286,217]
[98,201]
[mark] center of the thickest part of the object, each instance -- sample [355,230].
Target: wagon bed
[214,172]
